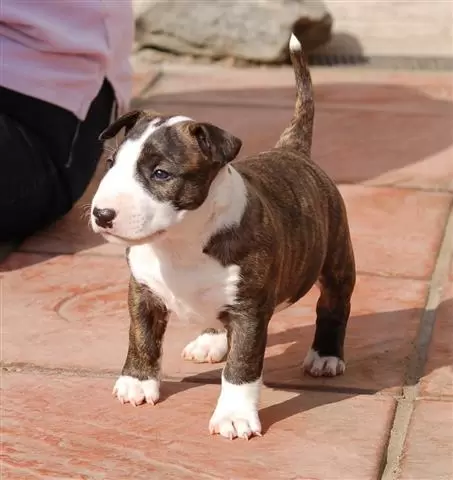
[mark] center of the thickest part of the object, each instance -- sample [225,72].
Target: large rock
[244,29]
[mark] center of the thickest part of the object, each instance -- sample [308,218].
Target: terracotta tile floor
[386,139]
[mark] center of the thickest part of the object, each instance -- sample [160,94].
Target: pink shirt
[60,51]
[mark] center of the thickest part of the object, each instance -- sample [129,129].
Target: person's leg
[31,194]
[47,159]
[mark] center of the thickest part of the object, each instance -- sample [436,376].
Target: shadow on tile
[297,403]
[362,131]
[387,362]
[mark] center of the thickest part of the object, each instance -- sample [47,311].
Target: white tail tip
[294,44]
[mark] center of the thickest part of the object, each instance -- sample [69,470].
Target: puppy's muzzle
[104,217]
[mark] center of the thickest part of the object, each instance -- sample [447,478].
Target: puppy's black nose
[104,216]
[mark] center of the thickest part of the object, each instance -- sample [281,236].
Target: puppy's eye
[162,175]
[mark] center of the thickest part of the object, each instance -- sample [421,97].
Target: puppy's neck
[223,208]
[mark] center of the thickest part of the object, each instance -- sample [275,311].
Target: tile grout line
[405,406]
[61,372]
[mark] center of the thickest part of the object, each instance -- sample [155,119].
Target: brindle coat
[294,232]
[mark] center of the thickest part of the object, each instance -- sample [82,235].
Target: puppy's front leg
[140,377]
[236,413]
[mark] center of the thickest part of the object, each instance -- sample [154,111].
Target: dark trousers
[47,159]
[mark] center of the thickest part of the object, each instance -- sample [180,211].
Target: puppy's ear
[222,147]
[128,120]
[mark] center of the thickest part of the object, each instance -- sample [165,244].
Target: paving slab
[71,427]
[72,310]
[64,310]
[396,232]
[428,453]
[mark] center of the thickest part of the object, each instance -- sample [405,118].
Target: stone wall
[251,30]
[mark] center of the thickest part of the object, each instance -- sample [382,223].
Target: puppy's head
[162,169]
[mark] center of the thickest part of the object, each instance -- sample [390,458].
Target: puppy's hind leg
[211,346]
[337,281]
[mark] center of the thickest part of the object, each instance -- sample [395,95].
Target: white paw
[132,390]
[207,348]
[318,366]
[236,414]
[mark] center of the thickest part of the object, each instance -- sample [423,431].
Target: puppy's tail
[298,135]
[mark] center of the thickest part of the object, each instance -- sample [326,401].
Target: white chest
[190,283]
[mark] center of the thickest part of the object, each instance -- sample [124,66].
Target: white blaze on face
[138,213]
